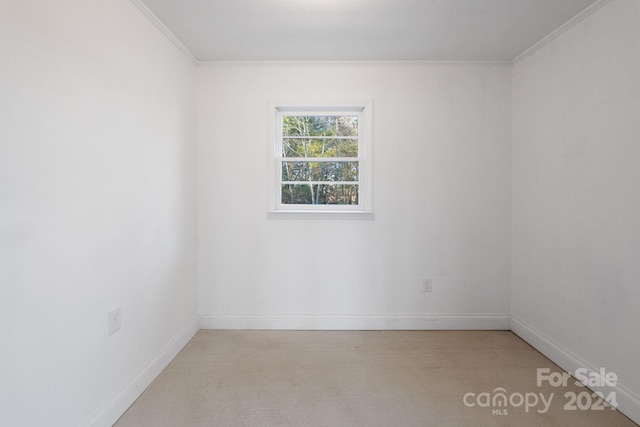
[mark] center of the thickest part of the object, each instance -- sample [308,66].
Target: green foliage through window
[320,164]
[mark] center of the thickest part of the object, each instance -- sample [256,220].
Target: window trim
[365,136]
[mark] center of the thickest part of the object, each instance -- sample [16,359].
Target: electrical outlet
[114,320]
[427,285]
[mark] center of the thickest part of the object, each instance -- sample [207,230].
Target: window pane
[303,147]
[346,125]
[319,194]
[320,171]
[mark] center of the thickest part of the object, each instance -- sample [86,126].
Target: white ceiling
[458,30]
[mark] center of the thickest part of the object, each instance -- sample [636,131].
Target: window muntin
[320,158]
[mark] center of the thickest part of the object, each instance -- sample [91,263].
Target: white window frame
[364,110]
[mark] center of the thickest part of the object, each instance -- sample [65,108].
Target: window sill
[326,215]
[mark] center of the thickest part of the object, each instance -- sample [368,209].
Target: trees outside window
[321,161]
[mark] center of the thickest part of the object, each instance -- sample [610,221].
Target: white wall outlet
[427,284]
[114,320]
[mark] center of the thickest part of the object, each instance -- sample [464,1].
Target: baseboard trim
[628,403]
[357,322]
[120,402]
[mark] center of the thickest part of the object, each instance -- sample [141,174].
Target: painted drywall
[576,196]
[97,207]
[441,196]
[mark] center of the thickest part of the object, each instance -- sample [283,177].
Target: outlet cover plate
[114,319]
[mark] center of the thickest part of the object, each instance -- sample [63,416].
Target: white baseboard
[120,402]
[628,403]
[358,322]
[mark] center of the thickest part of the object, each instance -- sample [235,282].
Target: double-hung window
[320,158]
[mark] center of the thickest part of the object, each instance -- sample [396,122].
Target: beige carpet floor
[358,378]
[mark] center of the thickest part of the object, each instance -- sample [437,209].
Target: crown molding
[560,30]
[323,62]
[163,28]
[526,53]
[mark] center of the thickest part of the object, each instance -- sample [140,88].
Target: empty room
[319,213]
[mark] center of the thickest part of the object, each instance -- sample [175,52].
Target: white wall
[442,197]
[97,203]
[576,197]
[97,207]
